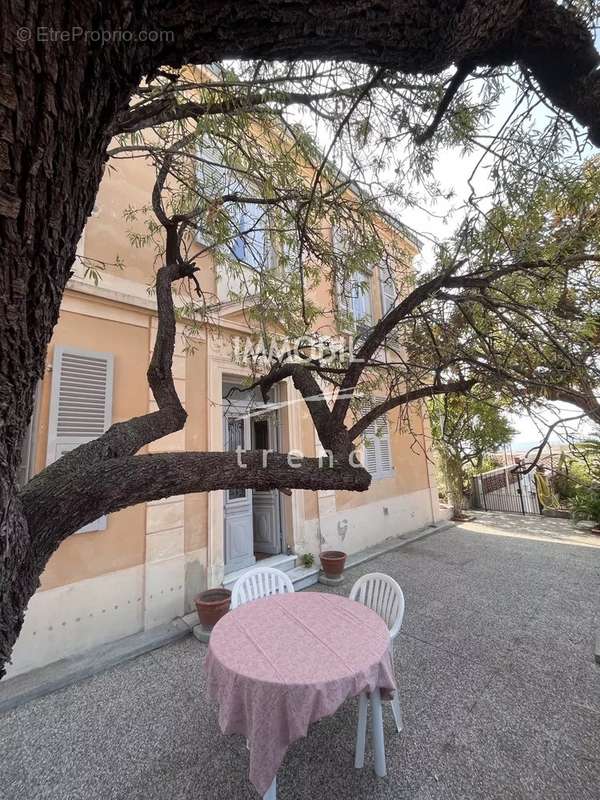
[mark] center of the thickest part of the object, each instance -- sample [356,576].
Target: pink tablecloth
[277,664]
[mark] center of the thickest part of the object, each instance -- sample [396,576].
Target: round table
[277,664]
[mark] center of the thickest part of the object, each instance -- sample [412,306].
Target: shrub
[586,505]
[307,560]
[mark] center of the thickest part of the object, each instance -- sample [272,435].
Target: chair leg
[377,734]
[361,731]
[271,793]
[397,712]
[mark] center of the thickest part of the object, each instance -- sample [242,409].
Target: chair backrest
[384,596]
[260,582]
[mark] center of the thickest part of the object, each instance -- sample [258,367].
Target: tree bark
[107,486]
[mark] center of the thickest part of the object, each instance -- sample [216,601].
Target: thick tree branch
[126,438]
[171,108]
[332,435]
[108,486]
[425,37]
[453,87]
[452,387]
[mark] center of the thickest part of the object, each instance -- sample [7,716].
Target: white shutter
[214,179]
[370,445]
[388,289]
[80,404]
[343,288]
[385,452]
[377,451]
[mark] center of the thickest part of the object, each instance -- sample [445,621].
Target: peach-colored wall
[410,466]
[128,183]
[196,505]
[122,543]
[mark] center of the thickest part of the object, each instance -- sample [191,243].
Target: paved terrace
[500,691]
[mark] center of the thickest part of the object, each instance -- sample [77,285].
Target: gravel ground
[500,693]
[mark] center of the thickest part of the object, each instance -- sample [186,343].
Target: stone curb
[396,544]
[23,688]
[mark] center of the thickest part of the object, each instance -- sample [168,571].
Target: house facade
[141,567]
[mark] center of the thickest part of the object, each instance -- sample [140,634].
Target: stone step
[302,577]
[283,562]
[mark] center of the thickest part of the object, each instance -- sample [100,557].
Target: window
[388,288]
[353,292]
[80,404]
[248,241]
[250,221]
[377,450]
[360,289]
[235,440]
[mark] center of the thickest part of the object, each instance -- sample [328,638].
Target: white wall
[355,529]
[71,619]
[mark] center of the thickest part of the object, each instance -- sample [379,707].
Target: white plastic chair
[260,582]
[383,595]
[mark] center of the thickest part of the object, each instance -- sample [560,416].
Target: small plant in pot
[333,563]
[307,560]
[211,605]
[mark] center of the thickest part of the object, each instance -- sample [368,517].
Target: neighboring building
[141,567]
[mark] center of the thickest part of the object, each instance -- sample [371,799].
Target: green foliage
[528,334]
[468,427]
[586,505]
[571,477]
[587,453]
[485,464]
[465,428]
[307,560]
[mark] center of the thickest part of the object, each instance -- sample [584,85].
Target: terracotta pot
[212,605]
[333,563]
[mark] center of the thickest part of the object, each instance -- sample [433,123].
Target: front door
[265,504]
[239,546]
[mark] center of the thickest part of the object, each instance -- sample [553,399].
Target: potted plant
[333,563]
[211,605]
[307,560]
[586,505]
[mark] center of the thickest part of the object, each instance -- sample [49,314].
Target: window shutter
[370,444]
[80,404]
[388,289]
[343,288]
[378,454]
[385,451]
[214,179]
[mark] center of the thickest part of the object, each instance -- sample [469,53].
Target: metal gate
[505,489]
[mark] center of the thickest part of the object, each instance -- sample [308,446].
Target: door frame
[219,367]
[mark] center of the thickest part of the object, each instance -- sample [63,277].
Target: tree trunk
[453,470]
[57,102]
